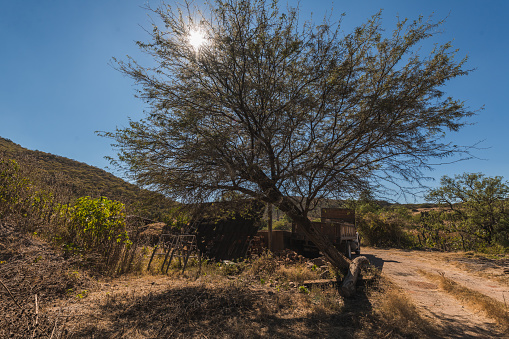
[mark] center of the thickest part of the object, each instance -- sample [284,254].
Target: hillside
[88,180]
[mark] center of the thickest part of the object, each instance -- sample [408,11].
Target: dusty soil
[30,268]
[486,276]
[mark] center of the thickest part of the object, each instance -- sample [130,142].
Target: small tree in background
[478,206]
[286,112]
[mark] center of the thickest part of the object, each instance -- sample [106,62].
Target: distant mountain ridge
[87,179]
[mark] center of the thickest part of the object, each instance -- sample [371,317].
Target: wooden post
[36,317]
[199,263]
[269,225]
[166,258]
[169,262]
[188,253]
[152,257]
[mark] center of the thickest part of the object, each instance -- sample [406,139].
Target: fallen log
[348,286]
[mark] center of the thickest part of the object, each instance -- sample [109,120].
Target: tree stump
[348,286]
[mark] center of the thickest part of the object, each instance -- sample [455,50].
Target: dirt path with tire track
[453,317]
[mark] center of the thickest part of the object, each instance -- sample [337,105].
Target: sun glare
[196,39]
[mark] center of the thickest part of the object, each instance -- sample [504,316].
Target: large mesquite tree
[284,111]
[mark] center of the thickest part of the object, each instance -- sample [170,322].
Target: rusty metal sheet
[338,214]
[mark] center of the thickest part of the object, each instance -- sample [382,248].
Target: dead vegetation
[494,268]
[221,306]
[260,297]
[490,307]
[31,270]
[395,316]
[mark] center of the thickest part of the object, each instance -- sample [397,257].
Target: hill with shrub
[79,179]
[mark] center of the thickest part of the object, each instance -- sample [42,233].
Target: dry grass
[224,306]
[395,316]
[298,273]
[250,299]
[29,267]
[214,307]
[219,306]
[481,265]
[490,307]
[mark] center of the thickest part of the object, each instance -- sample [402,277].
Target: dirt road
[454,317]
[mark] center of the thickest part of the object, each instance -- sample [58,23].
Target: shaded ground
[71,304]
[452,316]
[156,307]
[262,300]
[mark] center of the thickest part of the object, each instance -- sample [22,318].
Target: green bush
[282,225]
[477,208]
[97,224]
[95,228]
[8,183]
[384,229]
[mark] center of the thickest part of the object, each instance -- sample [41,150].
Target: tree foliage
[98,224]
[287,112]
[477,204]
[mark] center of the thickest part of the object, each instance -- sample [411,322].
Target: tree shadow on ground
[226,312]
[441,326]
[465,329]
[377,262]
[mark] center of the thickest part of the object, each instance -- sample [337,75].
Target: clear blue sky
[57,85]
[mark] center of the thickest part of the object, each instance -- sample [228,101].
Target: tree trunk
[269,225]
[328,249]
[348,287]
[286,205]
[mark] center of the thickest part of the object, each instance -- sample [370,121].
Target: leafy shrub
[40,203]
[477,208]
[433,231]
[97,224]
[285,224]
[282,225]
[384,229]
